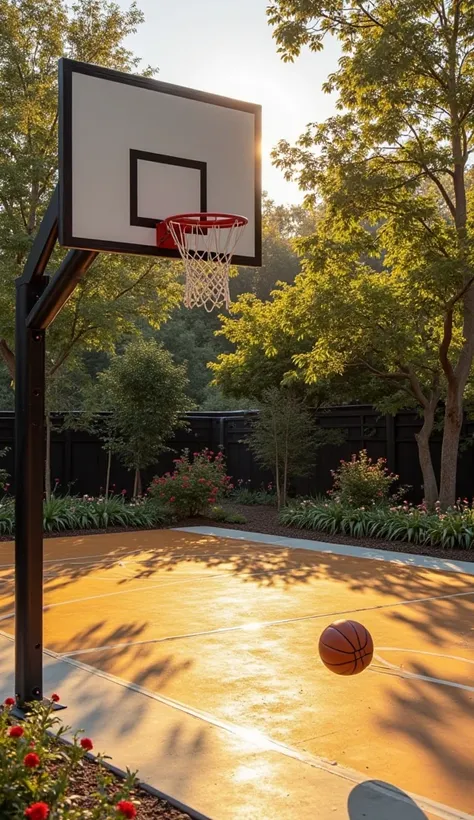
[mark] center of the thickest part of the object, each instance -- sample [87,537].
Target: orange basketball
[346,647]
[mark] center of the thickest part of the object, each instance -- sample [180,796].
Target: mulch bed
[84,783]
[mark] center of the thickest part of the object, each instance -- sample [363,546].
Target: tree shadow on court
[435,719]
[375,800]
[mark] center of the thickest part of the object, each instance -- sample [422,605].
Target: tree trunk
[453,415]
[107,478]
[430,485]
[8,357]
[453,418]
[285,483]
[47,462]
[137,484]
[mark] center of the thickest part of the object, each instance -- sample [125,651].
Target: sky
[226,47]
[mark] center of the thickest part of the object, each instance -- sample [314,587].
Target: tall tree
[147,393]
[396,158]
[33,35]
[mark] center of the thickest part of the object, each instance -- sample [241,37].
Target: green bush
[415,525]
[362,481]
[7,515]
[193,486]
[37,772]
[62,513]
[242,494]
[226,516]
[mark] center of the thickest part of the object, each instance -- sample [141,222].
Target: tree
[285,437]
[147,393]
[33,35]
[281,224]
[64,395]
[396,157]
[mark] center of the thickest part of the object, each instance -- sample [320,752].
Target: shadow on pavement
[377,800]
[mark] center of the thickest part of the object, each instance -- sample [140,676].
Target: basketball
[346,647]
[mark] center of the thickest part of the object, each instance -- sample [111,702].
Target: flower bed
[453,529]
[42,778]
[62,513]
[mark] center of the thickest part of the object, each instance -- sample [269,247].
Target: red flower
[31,760]
[37,811]
[172,499]
[16,731]
[55,698]
[87,744]
[9,701]
[127,809]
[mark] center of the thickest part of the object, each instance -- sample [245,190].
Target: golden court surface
[230,628]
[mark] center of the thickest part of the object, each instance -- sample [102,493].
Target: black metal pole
[72,269]
[29,471]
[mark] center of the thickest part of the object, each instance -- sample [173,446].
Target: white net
[206,243]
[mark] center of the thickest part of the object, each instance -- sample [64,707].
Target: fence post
[390,443]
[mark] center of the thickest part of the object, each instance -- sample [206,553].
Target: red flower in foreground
[16,731]
[37,811]
[55,698]
[31,760]
[87,744]
[127,809]
[9,701]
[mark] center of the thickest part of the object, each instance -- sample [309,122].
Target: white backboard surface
[133,151]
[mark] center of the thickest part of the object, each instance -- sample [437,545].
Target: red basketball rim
[208,220]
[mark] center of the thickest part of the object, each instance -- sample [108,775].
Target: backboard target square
[133,151]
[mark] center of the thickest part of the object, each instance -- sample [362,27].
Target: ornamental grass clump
[450,529]
[38,772]
[193,486]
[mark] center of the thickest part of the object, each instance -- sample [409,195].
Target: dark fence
[79,462]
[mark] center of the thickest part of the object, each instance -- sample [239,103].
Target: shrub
[75,513]
[37,771]
[193,486]
[7,515]
[362,481]
[415,525]
[61,513]
[245,495]
[226,516]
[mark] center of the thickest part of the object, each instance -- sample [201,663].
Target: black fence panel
[79,462]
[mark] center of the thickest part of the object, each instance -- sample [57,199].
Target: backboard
[133,151]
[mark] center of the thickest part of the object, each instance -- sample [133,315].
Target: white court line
[261,624]
[401,673]
[106,556]
[218,576]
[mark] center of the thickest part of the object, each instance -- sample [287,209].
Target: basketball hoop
[206,242]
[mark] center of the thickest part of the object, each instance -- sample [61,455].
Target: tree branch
[8,357]
[444,347]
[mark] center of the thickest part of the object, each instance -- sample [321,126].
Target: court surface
[229,629]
